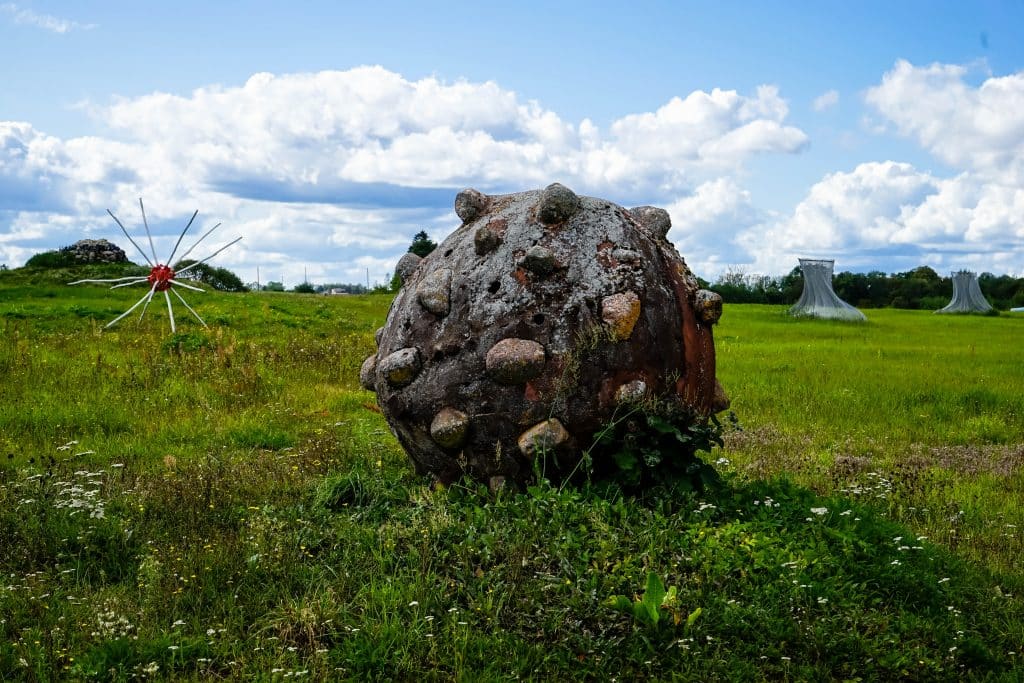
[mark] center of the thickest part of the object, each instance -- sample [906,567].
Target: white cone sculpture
[818,299]
[967,296]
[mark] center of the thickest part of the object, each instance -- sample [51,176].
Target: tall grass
[227,503]
[931,404]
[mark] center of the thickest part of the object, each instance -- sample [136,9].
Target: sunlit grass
[227,503]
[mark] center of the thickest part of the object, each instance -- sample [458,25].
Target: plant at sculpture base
[656,442]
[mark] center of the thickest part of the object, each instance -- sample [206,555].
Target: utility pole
[257,278]
[367,279]
[305,275]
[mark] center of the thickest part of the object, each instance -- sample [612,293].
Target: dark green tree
[304,288]
[422,244]
[273,287]
[220,279]
[58,258]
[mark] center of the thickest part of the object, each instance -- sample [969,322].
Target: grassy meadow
[227,504]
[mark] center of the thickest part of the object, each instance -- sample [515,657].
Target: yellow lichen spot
[620,312]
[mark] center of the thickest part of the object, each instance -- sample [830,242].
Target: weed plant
[228,504]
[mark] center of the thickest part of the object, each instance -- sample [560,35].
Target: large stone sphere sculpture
[518,337]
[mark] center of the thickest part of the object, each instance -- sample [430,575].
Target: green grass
[931,404]
[227,503]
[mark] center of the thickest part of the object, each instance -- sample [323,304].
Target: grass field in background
[934,403]
[228,503]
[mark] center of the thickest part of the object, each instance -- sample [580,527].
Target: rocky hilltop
[96,251]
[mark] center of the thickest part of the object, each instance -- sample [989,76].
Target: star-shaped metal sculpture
[161,278]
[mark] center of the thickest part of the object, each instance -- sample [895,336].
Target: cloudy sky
[884,135]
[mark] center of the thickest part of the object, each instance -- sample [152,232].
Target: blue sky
[884,135]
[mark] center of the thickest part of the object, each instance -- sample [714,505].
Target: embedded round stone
[368,372]
[557,204]
[407,265]
[448,429]
[626,256]
[485,240]
[401,367]
[620,312]
[543,437]
[708,305]
[515,361]
[631,391]
[539,260]
[469,204]
[377,335]
[655,220]
[434,291]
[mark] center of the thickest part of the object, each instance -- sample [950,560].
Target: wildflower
[819,511]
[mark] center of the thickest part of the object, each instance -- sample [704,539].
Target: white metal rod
[130,237]
[170,311]
[116,279]
[188,268]
[148,233]
[132,308]
[133,282]
[190,308]
[182,284]
[205,234]
[144,308]
[170,259]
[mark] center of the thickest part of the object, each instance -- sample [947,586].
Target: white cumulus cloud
[890,214]
[826,100]
[346,165]
[977,128]
[706,225]
[21,15]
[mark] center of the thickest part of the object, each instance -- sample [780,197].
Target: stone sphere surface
[522,332]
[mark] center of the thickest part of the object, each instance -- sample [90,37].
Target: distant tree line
[220,279]
[920,288]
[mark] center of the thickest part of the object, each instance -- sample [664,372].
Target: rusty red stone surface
[517,347]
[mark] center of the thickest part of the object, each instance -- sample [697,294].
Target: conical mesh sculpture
[818,299]
[967,296]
